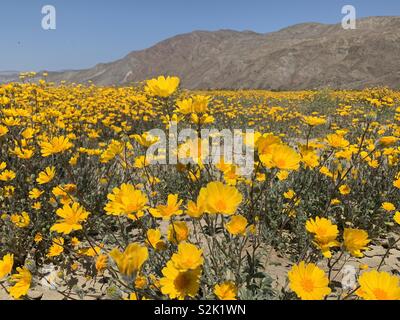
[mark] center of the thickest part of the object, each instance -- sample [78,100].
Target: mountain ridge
[303,56]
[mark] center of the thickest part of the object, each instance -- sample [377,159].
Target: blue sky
[93,31]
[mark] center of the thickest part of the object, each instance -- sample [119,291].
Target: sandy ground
[277,268]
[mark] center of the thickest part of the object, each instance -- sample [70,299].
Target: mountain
[304,56]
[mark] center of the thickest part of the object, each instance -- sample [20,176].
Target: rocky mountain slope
[303,56]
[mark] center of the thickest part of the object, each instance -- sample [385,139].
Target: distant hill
[304,56]
[8,76]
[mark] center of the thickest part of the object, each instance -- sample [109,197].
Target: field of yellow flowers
[85,214]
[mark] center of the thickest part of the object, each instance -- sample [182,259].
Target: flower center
[281,163]
[182,281]
[380,294]
[321,232]
[221,205]
[73,219]
[307,284]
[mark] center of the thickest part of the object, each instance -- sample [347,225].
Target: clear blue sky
[93,31]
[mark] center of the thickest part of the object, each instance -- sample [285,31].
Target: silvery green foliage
[260,291]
